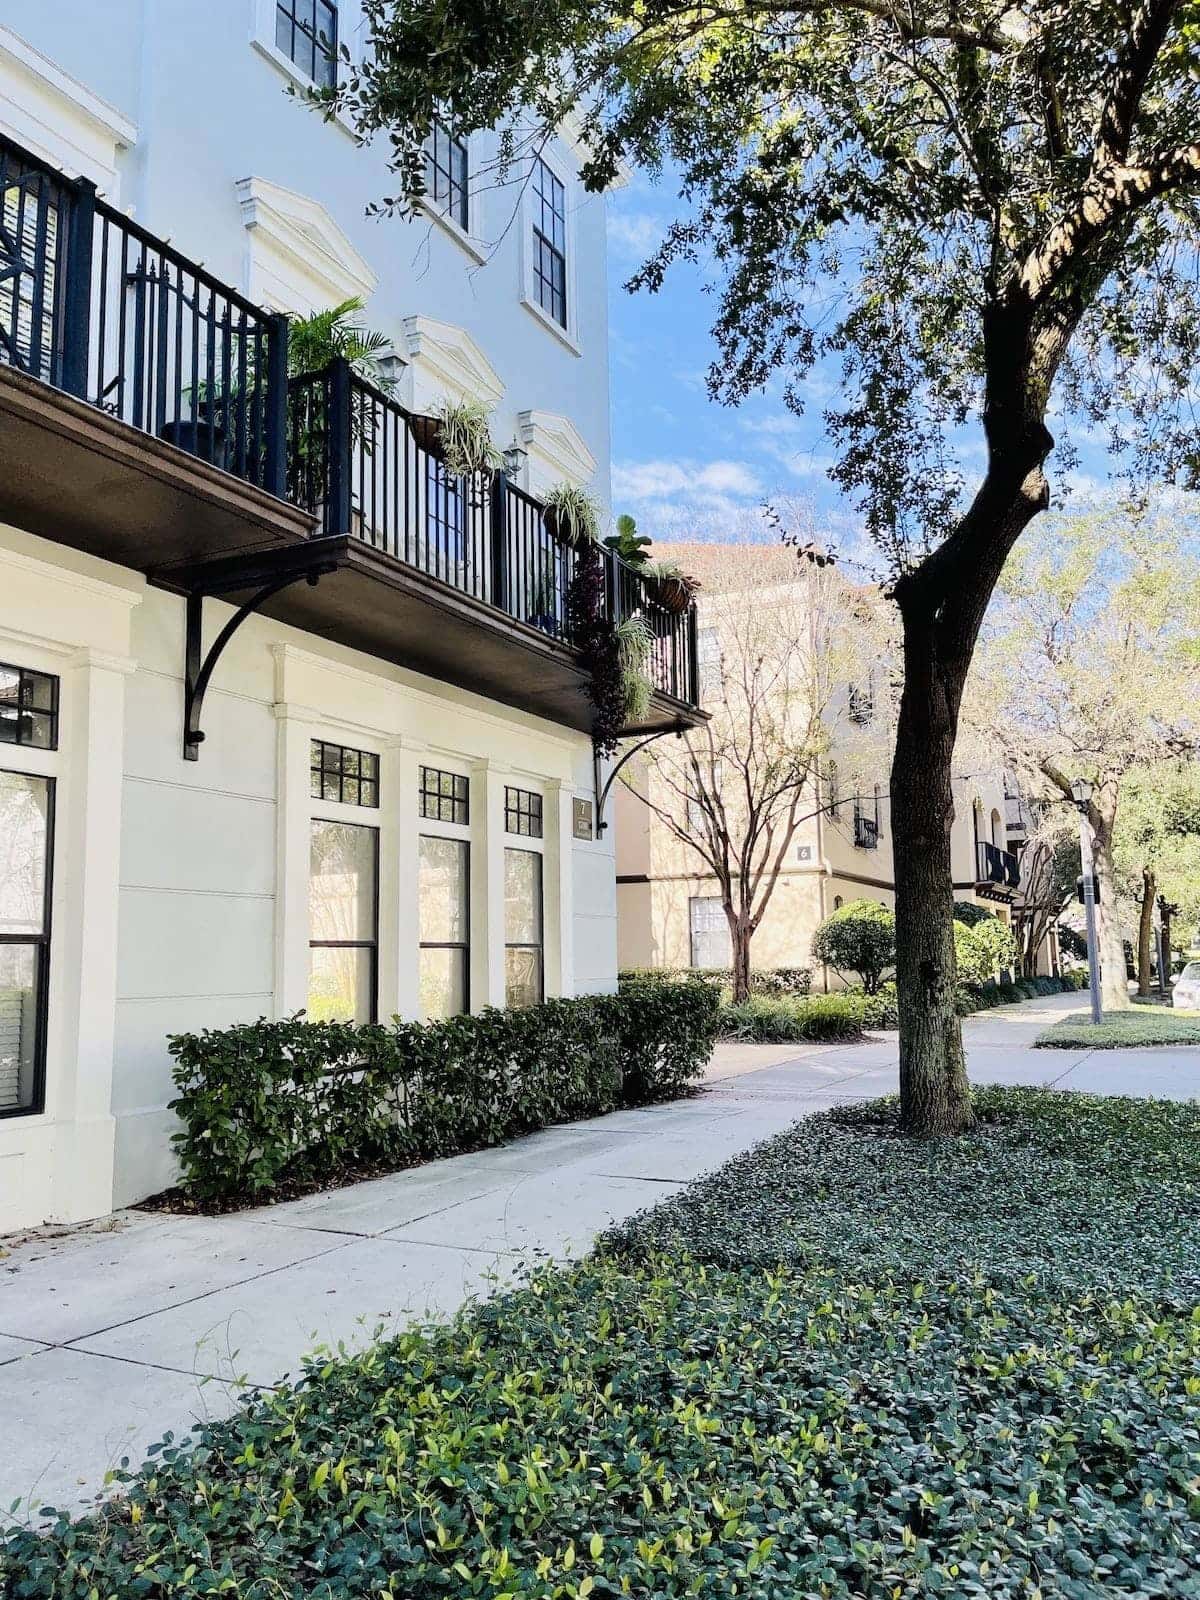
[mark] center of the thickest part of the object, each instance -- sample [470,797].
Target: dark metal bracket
[198,666]
[603,791]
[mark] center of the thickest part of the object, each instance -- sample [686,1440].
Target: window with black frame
[444,920]
[445,521]
[549,242]
[307,33]
[446,173]
[28,708]
[522,812]
[26,850]
[523,963]
[343,922]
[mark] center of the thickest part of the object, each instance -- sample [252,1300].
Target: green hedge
[763,980]
[266,1105]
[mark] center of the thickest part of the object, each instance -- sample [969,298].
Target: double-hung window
[711,949]
[523,954]
[446,173]
[26,845]
[549,242]
[306,31]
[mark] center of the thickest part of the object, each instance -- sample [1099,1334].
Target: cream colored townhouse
[290,714]
[669,909]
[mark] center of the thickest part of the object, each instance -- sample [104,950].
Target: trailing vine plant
[596,640]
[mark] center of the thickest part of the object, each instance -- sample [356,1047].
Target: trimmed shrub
[270,1104]
[859,937]
[763,980]
[982,947]
[766,1019]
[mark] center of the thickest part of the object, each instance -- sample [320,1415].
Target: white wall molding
[300,260]
[558,452]
[59,118]
[445,362]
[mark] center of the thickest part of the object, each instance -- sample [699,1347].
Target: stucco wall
[199,916]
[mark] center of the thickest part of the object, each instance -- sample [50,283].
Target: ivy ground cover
[845,1365]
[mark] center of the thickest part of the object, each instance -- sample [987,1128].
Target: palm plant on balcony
[314,341]
[572,516]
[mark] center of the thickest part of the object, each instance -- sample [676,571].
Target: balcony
[996,871]
[146,416]
[866,832]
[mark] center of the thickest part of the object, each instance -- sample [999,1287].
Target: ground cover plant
[1122,1029]
[848,1364]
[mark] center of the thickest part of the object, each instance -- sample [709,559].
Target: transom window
[28,708]
[26,842]
[523,813]
[445,796]
[549,242]
[349,777]
[446,173]
[306,32]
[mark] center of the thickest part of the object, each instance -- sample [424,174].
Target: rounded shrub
[861,938]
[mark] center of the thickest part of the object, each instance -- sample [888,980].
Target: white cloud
[634,233]
[665,480]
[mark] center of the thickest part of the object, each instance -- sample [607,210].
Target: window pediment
[300,260]
[59,118]
[445,362]
[557,450]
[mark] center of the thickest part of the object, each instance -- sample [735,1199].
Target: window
[306,32]
[522,928]
[523,813]
[445,520]
[343,922]
[709,928]
[26,844]
[444,796]
[351,777]
[444,918]
[837,902]
[549,242]
[446,173]
[708,662]
[28,708]
[697,816]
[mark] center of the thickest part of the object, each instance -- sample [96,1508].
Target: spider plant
[465,437]
[572,515]
[633,640]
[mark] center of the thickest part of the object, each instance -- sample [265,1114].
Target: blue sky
[684,464]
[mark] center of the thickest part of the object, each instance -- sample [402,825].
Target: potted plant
[314,341]
[669,586]
[571,516]
[631,546]
[462,438]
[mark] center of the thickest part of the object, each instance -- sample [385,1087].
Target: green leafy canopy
[964,205]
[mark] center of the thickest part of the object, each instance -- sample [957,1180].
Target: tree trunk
[1145,932]
[740,934]
[934,1095]
[1114,984]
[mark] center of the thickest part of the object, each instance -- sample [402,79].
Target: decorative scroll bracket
[198,667]
[603,790]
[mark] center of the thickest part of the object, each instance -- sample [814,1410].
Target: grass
[846,1365]
[1122,1030]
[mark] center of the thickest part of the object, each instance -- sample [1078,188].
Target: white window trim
[465,241]
[529,841]
[262,38]
[568,336]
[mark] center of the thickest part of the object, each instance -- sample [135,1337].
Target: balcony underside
[369,601]
[83,478]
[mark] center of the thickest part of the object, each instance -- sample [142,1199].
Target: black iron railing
[95,305]
[996,866]
[866,832]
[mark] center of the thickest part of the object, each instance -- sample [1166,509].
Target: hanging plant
[633,640]
[466,439]
[669,586]
[571,516]
[594,636]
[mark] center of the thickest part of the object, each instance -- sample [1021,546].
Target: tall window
[306,32]
[549,242]
[446,173]
[26,835]
[522,927]
[343,922]
[708,662]
[709,928]
[444,896]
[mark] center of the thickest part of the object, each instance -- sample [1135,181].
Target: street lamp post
[1081,794]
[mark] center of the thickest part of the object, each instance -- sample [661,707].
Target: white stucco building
[378,795]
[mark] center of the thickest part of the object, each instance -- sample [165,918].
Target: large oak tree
[976,209]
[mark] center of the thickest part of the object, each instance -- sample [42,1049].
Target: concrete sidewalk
[111,1335]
